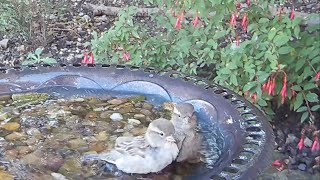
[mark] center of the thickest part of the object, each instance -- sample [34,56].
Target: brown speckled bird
[184,121]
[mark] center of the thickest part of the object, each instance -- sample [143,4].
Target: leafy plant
[265,57]
[35,58]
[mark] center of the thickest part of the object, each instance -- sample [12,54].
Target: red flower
[277,163]
[196,21]
[284,89]
[248,2]
[85,58]
[315,145]
[237,41]
[292,14]
[179,20]
[271,87]
[254,97]
[126,56]
[301,143]
[264,87]
[91,58]
[318,76]
[244,22]
[233,20]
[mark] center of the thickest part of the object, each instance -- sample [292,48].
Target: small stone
[12,152]
[4,43]
[138,131]
[53,163]
[15,136]
[70,166]
[116,117]
[76,143]
[102,136]
[134,121]
[11,126]
[147,106]
[31,159]
[302,167]
[23,150]
[105,115]
[146,112]
[98,146]
[291,138]
[307,142]
[139,116]
[5,176]
[117,101]
[34,132]
[58,176]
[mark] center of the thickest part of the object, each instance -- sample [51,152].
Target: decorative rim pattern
[251,149]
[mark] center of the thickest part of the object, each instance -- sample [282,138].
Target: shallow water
[47,136]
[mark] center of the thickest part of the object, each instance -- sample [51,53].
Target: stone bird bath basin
[246,137]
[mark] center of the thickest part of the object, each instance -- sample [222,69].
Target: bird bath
[243,135]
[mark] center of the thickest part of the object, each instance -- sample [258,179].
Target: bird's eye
[161,134]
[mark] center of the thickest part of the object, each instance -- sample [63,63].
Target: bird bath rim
[250,137]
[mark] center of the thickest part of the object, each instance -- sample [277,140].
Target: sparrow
[184,121]
[143,154]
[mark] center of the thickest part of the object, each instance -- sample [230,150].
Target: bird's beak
[170,139]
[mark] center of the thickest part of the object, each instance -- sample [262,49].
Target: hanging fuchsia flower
[292,14]
[315,145]
[284,89]
[318,76]
[126,56]
[233,20]
[244,22]
[179,21]
[271,86]
[248,3]
[196,21]
[91,58]
[254,97]
[301,143]
[85,58]
[277,163]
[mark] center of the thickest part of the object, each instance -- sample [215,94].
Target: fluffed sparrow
[143,154]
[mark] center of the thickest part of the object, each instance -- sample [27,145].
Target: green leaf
[27,62]
[298,102]
[38,51]
[304,116]
[248,86]
[309,86]
[49,61]
[272,33]
[296,88]
[299,64]
[263,20]
[280,39]
[284,50]
[233,79]
[302,109]
[262,102]
[315,107]
[312,97]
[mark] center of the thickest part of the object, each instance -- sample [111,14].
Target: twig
[114,11]
[308,107]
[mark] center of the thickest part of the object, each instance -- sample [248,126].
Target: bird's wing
[133,146]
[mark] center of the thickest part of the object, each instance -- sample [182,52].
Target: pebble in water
[116,117]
